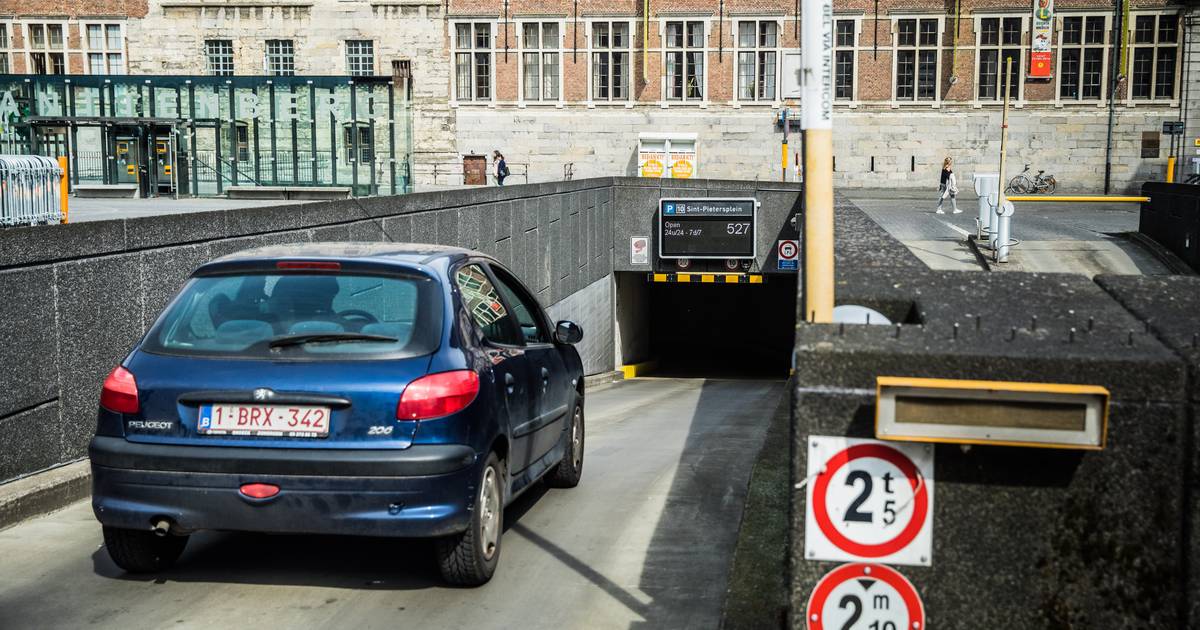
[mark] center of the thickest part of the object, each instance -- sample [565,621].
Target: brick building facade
[563,86]
[66,36]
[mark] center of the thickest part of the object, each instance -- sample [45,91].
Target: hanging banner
[1043,30]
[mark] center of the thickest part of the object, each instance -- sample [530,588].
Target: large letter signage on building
[1043,30]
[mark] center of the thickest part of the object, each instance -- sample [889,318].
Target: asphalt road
[645,541]
[1055,237]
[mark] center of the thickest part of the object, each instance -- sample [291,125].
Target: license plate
[264,420]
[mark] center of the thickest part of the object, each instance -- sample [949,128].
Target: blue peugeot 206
[369,389]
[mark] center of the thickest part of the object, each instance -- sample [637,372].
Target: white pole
[817,122]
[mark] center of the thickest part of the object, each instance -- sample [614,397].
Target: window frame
[1023,46]
[6,46]
[455,50]
[28,52]
[757,50]
[290,57]
[1060,48]
[352,57]
[209,68]
[541,51]
[854,52]
[936,101]
[628,49]
[1178,44]
[107,52]
[664,50]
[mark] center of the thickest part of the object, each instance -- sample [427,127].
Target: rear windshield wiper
[300,339]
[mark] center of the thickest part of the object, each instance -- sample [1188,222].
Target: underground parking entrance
[707,325]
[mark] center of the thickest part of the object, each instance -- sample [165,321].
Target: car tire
[470,558]
[566,473]
[142,551]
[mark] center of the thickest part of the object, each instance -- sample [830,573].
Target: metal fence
[29,190]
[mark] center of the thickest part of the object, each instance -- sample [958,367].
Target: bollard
[993,221]
[1003,233]
[986,184]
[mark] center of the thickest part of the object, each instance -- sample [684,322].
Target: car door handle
[545,375]
[508,382]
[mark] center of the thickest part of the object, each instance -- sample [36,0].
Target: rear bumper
[425,490]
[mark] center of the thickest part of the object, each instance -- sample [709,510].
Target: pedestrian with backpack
[501,167]
[948,187]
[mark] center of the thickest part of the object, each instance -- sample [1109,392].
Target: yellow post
[817,62]
[1171,170]
[63,187]
[784,158]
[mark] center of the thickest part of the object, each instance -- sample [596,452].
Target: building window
[1155,53]
[281,57]
[365,139]
[47,49]
[999,40]
[105,48]
[539,61]
[360,57]
[685,61]
[917,42]
[218,54]
[757,60]
[845,34]
[472,61]
[5,68]
[1082,57]
[610,61]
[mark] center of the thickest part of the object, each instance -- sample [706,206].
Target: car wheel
[142,551]
[567,472]
[470,558]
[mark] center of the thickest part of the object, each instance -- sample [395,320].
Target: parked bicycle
[1023,184]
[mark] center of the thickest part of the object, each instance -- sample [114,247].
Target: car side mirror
[568,332]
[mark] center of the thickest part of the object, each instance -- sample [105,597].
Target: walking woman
[948,187]
[501,167]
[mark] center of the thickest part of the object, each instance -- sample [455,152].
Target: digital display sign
[707,228]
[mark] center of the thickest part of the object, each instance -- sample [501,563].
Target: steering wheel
[361,317]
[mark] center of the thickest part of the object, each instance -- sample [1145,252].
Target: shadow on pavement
[354,562]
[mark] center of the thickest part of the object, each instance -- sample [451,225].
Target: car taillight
[120,392]
[438,395]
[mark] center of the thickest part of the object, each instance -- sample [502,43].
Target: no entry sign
[864,596]
[869,501]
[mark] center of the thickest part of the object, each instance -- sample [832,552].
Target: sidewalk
[103,209]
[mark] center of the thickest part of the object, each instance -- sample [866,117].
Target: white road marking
[960,231]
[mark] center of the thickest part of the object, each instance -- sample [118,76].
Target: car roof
[405,253]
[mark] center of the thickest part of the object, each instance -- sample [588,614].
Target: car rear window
[242,315]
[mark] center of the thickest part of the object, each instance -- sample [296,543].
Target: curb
[973,245]
[44,492]
[603,380]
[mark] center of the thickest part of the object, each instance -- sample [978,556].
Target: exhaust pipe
[162,527]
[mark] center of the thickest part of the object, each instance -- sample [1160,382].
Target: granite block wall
[1024,537]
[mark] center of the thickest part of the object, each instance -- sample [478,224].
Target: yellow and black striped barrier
[709,278]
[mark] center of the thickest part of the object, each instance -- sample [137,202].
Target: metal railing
[30,190]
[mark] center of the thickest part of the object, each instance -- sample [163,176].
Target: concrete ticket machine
[667,155]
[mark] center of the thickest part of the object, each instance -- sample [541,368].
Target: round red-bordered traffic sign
[788,250]
[893,457]
[908,593]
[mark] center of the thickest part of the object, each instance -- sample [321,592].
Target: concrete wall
[1022,537]
[75,298]
[744,143]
